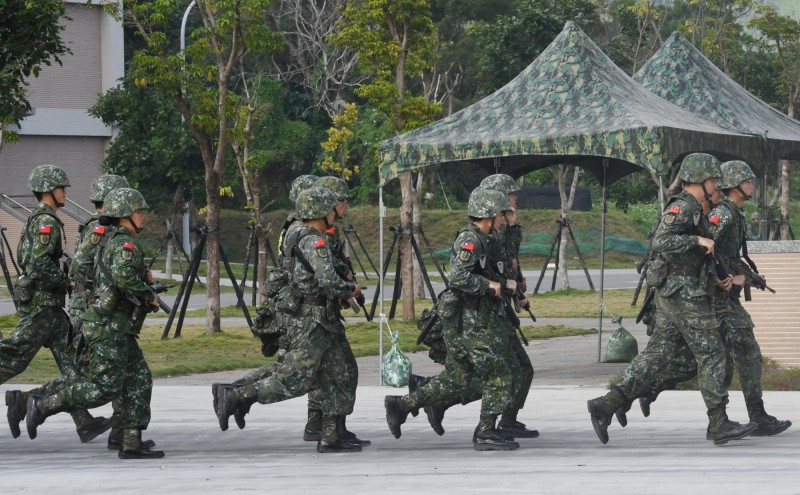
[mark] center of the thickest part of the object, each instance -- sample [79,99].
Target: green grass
[236,348]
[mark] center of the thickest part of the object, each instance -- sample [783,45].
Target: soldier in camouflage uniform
[111,325]
[472,314]
[736,329]
[504,248]
[310,302]
[682,244]
[40,294]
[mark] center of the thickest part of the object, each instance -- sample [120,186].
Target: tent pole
[763,206]
[660,193]
[381,216]
[604,207]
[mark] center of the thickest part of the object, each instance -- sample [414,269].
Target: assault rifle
[751,278]
[360,300]
[160,288]
[641,265]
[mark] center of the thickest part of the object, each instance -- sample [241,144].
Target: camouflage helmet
[45,178]
[123,202]
[734,173]
[315,202]
[698,167]
[487,203]
[301,184]
[500,182]
[104,185]
[337,185]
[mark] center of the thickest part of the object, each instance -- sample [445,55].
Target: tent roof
[682,75]
[571,105]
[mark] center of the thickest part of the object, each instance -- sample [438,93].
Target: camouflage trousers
[689,328]
[117,372]
[346,370]
[742,352]
[38,326]
[307,356]
[477,358]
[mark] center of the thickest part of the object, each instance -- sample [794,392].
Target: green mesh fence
[588,242]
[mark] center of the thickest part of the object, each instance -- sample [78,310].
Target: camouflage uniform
[308,345]
[111,325]
[475,333]
[683,299]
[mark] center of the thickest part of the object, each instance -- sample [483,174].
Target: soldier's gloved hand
[708,244]
[494,289]
[523,284]
[349,276]
[511,285]
[356,290]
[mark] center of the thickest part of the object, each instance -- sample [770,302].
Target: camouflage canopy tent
[571,105]
[682,75]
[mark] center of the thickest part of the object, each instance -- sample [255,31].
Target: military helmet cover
[698,167]
[734,173]
[300,184]
[337,185]
[755,216]
[104,185]
[123,202]
[500,182]
[45,178]
[315,202]
[487,203]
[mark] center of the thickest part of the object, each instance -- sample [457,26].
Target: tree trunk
[785,200]
[212,261]
[406,264]
[566,208]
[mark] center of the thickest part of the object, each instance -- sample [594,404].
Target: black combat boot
[313,429]
[646,400]
[134,448]
[722,430]
[17,402]
[39,408]
[487,437]
[87,426]
[227,398]
[622,412]
[240,412]
[767,425]
[115,440]
[601,417]
[509,426]
[331,442]
[396,413]
[349,436]
[435,414]
[415,382]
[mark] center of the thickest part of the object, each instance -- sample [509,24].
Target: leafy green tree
[201,81]
[150,137]
[394,40]
[30,35]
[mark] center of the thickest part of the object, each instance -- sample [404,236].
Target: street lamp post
[187,247]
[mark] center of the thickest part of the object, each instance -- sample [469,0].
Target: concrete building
[60,130]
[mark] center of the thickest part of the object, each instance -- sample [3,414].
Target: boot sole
[519,434]
[124,455]
[88,436]
[601,433]
[486,447]
[723,441]
[16,431]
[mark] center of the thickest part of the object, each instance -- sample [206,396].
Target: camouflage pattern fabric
[81,271]
[117,368]
[123,202]
[684,302]
[104,185]
[572,101]
[698,167]
[474,332]
[42,321]
[300,184]
[486,203]
[45,178]
[315,202]
[309,346]
[500,182]
[681,74]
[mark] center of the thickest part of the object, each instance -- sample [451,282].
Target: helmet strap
[741,191]
[55,201]
[706,194]
[135,227]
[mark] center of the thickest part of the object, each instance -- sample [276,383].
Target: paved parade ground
[664,454]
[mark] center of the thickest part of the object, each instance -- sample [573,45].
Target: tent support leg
[602,261]
[381,216]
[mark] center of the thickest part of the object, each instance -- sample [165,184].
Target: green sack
[395,367]
[622,346]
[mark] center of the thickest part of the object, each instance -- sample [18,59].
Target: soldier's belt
[314,300]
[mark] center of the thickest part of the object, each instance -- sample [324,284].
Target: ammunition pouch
[106,302]
[269,327]
[24,289]
[657,271]
[288,300]
[276,280]
[434,339]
